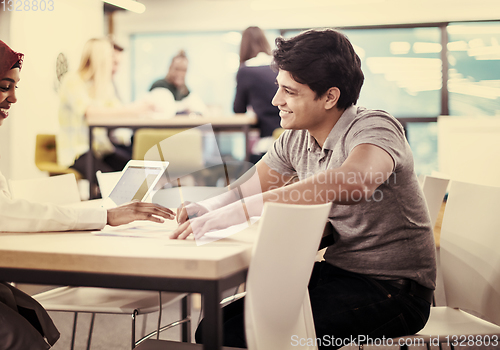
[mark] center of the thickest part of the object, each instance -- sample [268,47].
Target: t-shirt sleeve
[382,131]
[278,157]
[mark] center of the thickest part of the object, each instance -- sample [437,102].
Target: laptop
[137,181]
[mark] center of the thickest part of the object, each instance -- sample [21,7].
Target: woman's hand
[127,213]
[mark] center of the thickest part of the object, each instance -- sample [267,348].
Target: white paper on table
[148,229]
[142,229]
[213,236]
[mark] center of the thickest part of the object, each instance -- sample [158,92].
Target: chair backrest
[45,150]
[46,156]
[434,189]
[470,249]
[182,148]
[277,304]
[277,133]
[47,189]
[107,181]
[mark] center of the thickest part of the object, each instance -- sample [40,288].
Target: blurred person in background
[117,58]
[256,86]
[88,93]
[175,82]
[24,323]
[120,137]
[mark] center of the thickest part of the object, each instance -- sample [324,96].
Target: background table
[85,259]
[236,122]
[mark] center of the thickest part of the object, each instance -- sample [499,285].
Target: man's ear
[332,97]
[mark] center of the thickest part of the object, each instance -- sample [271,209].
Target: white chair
[107,181]
[94,300]
[434,189]
[111,301]
[470,263]
[277,304]
[47,189]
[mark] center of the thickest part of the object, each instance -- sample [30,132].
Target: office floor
[112,332]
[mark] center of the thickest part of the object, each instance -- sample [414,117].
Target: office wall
[5,157]
[41,36]
[469,149]
[195,15]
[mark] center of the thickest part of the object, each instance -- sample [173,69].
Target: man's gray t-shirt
[388,236]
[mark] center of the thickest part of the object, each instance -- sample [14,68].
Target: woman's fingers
[127,213]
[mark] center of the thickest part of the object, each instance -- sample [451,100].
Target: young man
[378,277]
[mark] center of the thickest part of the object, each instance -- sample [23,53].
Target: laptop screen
[134,184]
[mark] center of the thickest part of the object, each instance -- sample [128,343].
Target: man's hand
[188,209]
[138,211]
[201,222]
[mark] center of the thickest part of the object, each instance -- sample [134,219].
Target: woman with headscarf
[24,324]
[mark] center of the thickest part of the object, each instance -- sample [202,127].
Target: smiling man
[379,274]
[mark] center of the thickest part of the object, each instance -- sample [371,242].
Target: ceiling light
[130,5]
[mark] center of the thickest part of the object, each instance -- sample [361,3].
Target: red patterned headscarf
[8,58]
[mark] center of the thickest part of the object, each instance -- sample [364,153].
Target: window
[402,69]
[474,74]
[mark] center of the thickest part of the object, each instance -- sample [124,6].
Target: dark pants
[16,332]
[113,162]
[346,306]
[23,321]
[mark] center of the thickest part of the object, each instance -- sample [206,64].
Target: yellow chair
[46,156]
[277,133]
[183,151]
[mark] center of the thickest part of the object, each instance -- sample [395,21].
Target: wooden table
[86,259]
[236,122]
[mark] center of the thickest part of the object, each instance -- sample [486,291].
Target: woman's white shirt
[23,216]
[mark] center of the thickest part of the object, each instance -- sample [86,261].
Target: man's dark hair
[322,59]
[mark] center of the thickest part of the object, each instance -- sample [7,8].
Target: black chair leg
[91,329]
[134,314]
[75,320]
[186,314]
